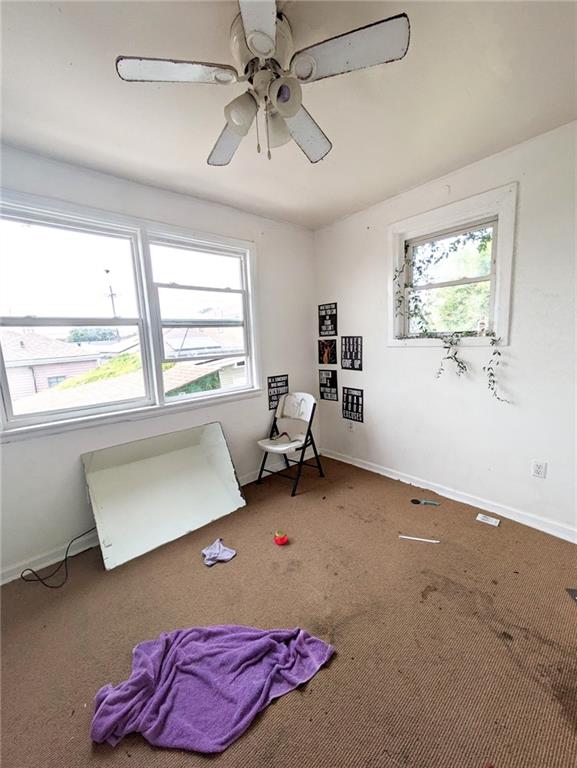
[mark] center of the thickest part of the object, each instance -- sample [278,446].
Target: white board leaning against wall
[152,491]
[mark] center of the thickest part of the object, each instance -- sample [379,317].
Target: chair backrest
[296,406]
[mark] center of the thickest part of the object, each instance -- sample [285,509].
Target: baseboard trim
[12,572]
[525,518]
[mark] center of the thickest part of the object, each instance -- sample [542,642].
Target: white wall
[448,434]
[43,498]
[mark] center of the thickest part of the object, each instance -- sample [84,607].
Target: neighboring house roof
[126,387]
[31,348]
[178,341]
[201,341]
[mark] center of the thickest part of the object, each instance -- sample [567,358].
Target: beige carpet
[456,655]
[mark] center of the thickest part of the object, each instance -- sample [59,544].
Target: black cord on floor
[45,579]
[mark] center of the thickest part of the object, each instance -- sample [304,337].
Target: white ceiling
[478,77]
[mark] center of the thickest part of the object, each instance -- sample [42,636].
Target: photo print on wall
[352,353]
[277,386]
[328,319]
[328,387]
[353,404]
[328,351]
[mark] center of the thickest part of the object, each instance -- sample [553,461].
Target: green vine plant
[491,369]
[450,345]
[409,305]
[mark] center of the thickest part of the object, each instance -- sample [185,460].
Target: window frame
[141,233]
[452,232]
[494,205]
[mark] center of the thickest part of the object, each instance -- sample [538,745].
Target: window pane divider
[202,323]
[200,358]
[33,320]
[451,283]
[207,289]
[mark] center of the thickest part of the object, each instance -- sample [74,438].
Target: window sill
[16,433]
[465,341]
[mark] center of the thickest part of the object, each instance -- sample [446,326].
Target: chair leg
[262,466]
[317,457]
[299,469]
[286,461]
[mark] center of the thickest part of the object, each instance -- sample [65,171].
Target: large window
[99,314]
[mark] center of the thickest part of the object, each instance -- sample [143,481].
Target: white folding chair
[291,432]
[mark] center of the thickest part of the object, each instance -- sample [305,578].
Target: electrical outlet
[539,469]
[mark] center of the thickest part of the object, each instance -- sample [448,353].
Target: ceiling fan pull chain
[257,134]
[266,120]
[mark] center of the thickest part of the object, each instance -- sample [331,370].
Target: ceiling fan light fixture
[240,112]
[278,131]
[285,96]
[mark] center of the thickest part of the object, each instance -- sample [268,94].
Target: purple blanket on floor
[200,688]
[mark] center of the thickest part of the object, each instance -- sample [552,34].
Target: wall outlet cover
[539,469]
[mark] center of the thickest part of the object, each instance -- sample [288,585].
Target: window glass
[452,309]
[455,257]
[186,378]
[448,283]
[55,368]
[54,272]
[183,304]
[172,264]
[202,342]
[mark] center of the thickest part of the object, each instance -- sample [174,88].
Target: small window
[54,381]
[447,282]
[450,271]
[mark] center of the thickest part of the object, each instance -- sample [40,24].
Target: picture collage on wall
[277,386]
[351,360]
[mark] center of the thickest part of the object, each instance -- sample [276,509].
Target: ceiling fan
[263,52]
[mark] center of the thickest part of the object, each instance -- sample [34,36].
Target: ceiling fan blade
[377,43]
[225,147]
[308,135]
[259,22]
[136,69]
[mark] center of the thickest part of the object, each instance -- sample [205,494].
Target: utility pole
[112,296]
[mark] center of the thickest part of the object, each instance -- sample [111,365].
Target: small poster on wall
[353,404]
[277,386]
[328,351]
[352,353]
[328,387]
[328,319]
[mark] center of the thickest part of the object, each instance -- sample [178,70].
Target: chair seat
[281,446]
